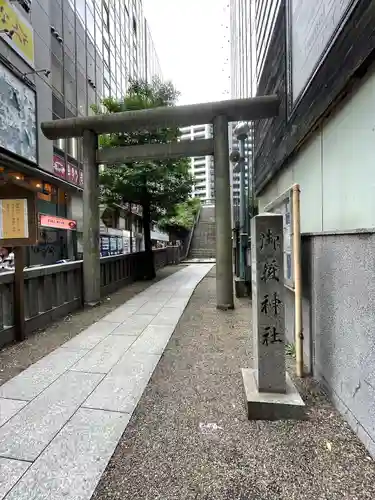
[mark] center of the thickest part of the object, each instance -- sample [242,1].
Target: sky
[191,39]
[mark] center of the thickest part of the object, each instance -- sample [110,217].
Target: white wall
[336,169]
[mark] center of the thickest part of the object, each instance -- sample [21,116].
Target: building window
[72,147]
[106,90]
[25,4]
[105,15]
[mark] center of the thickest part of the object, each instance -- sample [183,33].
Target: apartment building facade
[56,60]
[201,167]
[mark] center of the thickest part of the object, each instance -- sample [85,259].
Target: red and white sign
[57,222]
[67,171]
[59,166]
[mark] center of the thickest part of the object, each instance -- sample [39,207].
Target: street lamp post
[241,132]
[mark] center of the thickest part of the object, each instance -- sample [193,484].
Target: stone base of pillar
[272,406]
[240,287]
[225,307]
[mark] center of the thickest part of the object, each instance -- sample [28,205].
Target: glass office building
[75,53]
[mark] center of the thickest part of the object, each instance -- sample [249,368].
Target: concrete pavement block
[32,381]
[26,435]
[134,325]
[178,302]
[120,314]
[183,293]
[71,466]
[8,408]
[137,301]
[152,307]
[90,337]
[105,354]
[153,340]
[122,388]
[10,472]
[168,316]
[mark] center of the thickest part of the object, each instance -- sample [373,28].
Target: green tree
[182,216]
[156,185]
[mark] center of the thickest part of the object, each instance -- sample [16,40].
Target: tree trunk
[149,270]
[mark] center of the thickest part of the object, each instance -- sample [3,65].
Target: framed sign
[284,205]
[18,222]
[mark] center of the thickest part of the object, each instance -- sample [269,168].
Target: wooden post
[19,293]
[297,280]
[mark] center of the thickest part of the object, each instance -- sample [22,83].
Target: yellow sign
[13,219]
[20,36]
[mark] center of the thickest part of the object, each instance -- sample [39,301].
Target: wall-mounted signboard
[18,224]
[22,39]
[54,222]
[18,133]
[14,219]
[67,171]
[104,246]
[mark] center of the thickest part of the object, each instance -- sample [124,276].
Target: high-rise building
[242,77]
[264,18]
[242,45]
[201,167]
[57,59]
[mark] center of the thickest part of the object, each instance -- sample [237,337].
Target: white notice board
[283,205]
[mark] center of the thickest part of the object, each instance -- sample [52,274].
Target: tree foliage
[159,183]
[156,185]
[182,217]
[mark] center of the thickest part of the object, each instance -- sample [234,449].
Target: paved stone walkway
[61,419]
[189,437]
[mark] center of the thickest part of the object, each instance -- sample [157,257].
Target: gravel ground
[17,357]
[189,437]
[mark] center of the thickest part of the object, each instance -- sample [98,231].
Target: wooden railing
[52,292]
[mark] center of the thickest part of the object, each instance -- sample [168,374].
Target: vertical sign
[268,302]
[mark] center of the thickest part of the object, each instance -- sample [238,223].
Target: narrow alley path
[61,418]
[189,438]
[74,434]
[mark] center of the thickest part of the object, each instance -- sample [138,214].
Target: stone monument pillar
[269,390]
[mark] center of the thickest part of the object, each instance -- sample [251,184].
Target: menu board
[14,219]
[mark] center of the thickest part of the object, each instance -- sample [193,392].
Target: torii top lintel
[250,109]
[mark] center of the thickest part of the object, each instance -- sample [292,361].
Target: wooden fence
[52,292]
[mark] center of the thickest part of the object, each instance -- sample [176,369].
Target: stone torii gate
[220,114]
